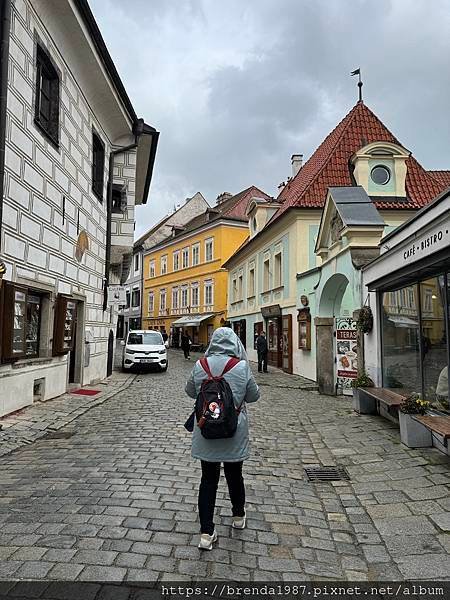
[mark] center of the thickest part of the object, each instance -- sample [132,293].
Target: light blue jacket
[224,344]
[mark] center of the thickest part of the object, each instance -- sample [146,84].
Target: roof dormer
[380,168]
[259,213]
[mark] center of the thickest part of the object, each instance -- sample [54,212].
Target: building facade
[362,152]
[77,160]
[130,316]
[185,284]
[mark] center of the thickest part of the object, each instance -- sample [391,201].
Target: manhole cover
[59,435]
[327,473]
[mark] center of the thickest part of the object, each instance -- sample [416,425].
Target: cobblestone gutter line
[34,422]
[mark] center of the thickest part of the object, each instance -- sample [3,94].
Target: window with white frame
[176,260]
[234,290]
[195,295]
[240,286]
[251,281]
[164,264]
[174,298]
[209,249]
[195,254]
[136,263]
[162,301]
[209,293]
[184,296]
[185,258]
[151,303]
[278,279]
[266,274]
[136,298]
[151,268]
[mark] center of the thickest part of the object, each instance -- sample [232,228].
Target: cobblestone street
[117,499]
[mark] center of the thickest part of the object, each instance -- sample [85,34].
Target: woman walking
[186,344]
[231,451]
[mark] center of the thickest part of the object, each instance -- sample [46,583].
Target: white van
[144,348]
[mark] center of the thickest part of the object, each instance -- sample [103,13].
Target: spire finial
[360,83]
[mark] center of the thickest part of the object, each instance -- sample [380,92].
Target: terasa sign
[430,242]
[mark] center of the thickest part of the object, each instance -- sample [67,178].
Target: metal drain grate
[59,435]
[327,474]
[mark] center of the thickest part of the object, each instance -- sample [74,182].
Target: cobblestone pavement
[117,499]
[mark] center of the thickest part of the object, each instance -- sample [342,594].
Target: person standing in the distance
[186,344]
[262,350]
[232,451]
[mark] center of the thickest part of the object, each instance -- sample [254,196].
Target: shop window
[64,326]
[46,114]
[98,165]
[401,341]
[136,298]
[257,328]
[434,337]
[21,322]
[135,324]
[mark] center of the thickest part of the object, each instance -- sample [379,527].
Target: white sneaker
[207,541]
[239,522]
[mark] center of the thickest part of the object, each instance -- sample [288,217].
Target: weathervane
[360,83]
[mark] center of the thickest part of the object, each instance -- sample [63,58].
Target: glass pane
[68,324]
[32,325]
[19,323]
[400,340]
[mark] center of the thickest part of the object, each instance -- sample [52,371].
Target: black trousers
[262,362]
[208,491]
[186,352]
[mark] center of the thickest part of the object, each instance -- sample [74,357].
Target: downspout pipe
[5,25]
[112,155]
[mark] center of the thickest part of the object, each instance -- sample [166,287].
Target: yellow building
[184,284]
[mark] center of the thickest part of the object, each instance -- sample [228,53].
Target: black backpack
[217,415]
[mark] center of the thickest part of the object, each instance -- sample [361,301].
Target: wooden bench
[436,424]
[392,399]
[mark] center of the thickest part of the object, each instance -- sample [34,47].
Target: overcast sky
[237,87]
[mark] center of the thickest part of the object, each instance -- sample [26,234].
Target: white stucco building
[74,161]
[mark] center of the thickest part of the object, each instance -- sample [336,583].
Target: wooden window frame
[98,165]
[47,94]
[8,302]
[64,328]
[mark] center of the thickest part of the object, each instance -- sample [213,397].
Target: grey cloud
[235,88]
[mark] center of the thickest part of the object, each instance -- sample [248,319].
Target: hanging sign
[346,354]
[116,295]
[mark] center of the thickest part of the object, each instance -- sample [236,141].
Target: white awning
[403,322]
[192,320]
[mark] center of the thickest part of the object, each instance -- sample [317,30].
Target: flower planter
[363,403]
[412,433]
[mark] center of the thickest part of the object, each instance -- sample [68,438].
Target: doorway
[274,341]
[287,344]
[109,365]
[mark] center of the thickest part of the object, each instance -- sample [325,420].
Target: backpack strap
[204,364]
[232,362]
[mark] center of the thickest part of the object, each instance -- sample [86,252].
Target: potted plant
[362,402]
[412,433]
[365,319]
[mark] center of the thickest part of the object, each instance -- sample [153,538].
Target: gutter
[4,56]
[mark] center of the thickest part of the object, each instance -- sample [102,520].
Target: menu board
[18,333]
[346,354]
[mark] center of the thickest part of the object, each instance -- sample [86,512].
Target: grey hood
[224,341]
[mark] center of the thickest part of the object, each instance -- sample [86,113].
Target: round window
[380,175]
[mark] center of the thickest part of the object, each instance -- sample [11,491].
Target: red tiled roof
[329,166]
[237,208]
[442,177]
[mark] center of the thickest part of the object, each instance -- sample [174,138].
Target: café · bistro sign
[427,244]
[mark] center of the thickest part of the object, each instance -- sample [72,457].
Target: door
[274,342]
[109,365]
[287,343]
[73,354]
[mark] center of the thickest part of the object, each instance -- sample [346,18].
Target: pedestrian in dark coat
[186,344]
[262,350]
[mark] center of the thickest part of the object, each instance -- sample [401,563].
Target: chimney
[297,161]
[222,197]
